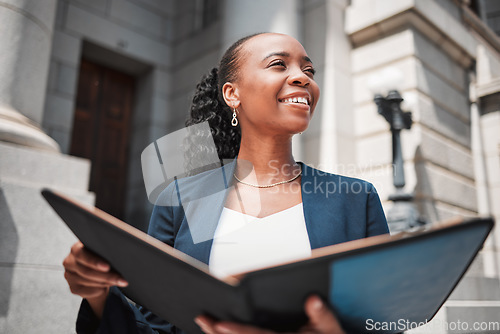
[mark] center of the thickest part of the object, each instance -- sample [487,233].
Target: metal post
[403,215]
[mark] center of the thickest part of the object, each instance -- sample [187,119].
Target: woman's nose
[298,77]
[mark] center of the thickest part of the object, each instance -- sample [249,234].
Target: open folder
[393,281]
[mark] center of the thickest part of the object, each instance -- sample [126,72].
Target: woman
[262,94]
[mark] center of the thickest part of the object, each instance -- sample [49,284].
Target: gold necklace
[268,185]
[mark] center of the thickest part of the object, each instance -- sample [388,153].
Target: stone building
[88,84]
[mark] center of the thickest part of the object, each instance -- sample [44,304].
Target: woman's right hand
[90,277]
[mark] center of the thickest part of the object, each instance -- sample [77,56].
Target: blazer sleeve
[120,316]
[376,223]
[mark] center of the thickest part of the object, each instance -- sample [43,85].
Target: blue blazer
[336,209]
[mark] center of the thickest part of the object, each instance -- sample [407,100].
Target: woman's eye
[311,70]
[278,63]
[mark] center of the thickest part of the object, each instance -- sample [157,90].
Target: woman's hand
[321,321]
[90,277]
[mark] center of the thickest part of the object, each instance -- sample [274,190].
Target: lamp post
[403,215]
[389,107]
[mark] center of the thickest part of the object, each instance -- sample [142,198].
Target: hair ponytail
[208,105]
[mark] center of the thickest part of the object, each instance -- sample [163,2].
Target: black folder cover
[399,280]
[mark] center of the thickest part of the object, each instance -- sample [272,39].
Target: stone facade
[446,51]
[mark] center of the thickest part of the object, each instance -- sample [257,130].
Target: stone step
[34,240]
[473,317]
[37,168]
[477,288]
[31,232]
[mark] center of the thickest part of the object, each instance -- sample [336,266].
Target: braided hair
[209,105]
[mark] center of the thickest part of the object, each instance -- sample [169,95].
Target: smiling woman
[275,75]
[262,94]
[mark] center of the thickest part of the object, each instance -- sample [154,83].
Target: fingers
[321,318]
[92,276]
[77,279]
[210,326]
[205,323]
[88,259]
[321,321]
[88,275]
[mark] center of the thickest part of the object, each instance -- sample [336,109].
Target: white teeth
[302,100]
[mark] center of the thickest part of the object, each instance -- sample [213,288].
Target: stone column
[243,17]
[25,45]
[336,118]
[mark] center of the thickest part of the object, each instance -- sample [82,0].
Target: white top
[243,242]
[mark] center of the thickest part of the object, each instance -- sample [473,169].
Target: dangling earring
[234,121]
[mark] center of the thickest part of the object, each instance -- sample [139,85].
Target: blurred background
[87,85]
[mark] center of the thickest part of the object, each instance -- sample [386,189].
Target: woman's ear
[230,94]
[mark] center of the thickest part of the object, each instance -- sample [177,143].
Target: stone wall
[132,36]
[437,150]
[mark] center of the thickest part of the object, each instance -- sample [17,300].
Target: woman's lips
[296,105]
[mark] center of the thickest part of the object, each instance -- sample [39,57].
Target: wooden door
[101,130]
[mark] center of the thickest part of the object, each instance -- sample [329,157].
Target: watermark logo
[434,326]
[176,155]
[391,326]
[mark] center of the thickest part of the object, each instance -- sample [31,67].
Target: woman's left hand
[321,321]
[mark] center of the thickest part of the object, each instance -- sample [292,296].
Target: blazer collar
[316,206]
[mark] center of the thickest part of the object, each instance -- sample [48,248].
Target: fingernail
[103,266]
[223,329]
[122,283]
[317,304]
[199,322]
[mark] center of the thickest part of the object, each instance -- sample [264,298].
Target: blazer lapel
[203,204]
[319,212]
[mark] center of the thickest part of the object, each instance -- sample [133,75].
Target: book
[394,281]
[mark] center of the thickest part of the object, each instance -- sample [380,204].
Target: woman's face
[275,88]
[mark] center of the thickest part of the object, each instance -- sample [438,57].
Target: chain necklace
[268,185]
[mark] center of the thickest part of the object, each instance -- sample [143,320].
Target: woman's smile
[298,101]
[297,105]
